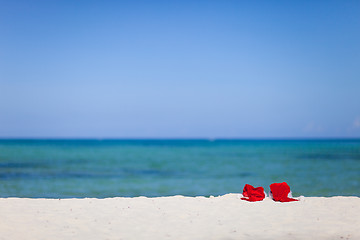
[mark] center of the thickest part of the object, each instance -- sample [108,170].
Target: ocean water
[128,168]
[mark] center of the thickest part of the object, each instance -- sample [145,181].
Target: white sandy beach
[178,217]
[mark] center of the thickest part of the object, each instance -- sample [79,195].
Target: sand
[178,217]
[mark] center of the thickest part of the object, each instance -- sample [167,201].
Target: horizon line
[177,138]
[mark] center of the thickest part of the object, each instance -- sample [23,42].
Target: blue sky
[179,69]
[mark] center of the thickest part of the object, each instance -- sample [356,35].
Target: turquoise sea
[127,168]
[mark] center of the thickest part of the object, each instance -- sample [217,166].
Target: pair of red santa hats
[278,192]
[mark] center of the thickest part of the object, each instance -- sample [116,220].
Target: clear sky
[179,69]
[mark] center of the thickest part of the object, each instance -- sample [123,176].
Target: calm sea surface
[109,168]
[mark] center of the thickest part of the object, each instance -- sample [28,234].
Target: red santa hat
[252,194]
[281,192]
